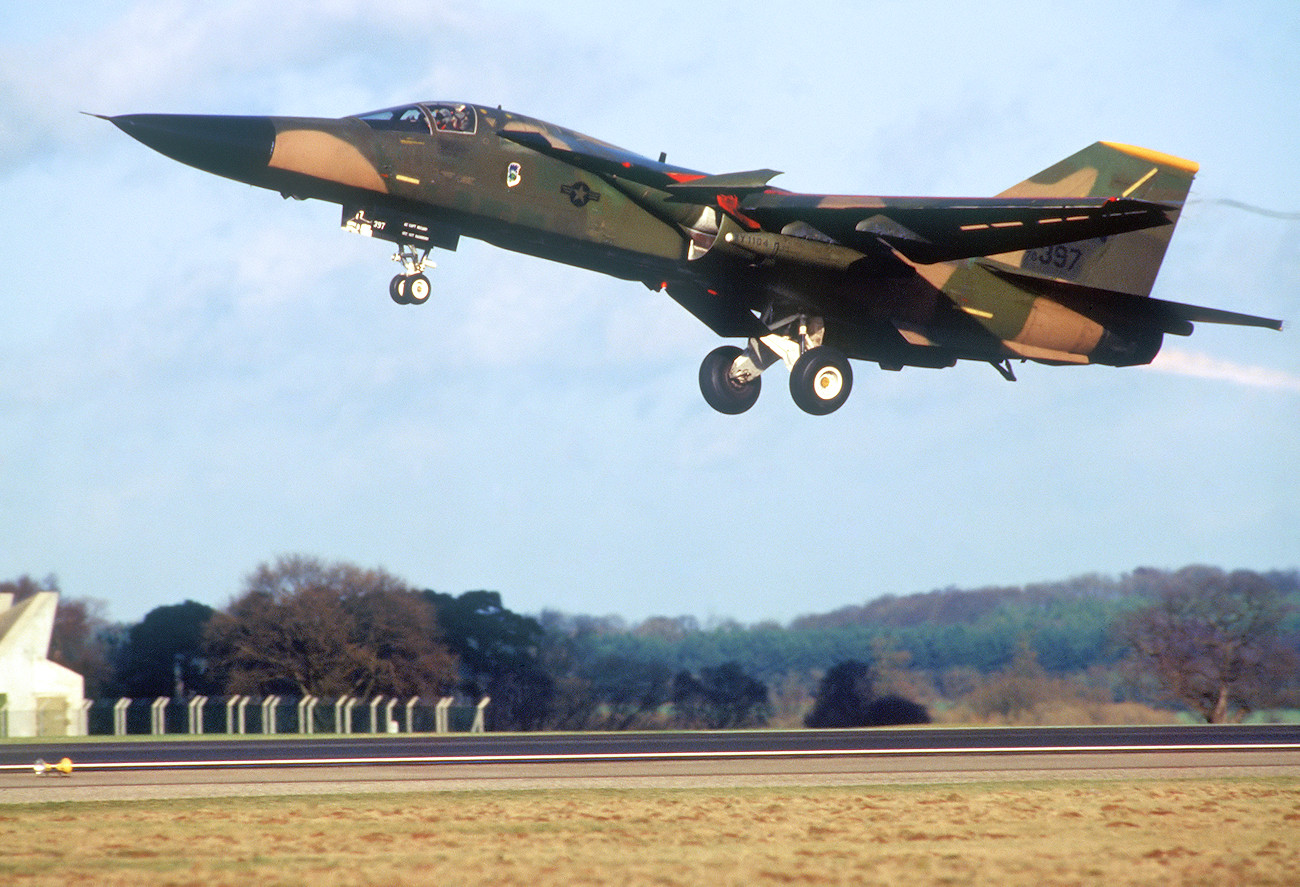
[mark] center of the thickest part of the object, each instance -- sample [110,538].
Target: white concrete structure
[41,698]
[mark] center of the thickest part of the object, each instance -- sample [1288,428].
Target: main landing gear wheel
[720,390]
[410,289]
[821,380]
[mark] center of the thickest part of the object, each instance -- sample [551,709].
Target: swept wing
[929,230]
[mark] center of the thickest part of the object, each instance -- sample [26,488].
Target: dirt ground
[1182,832]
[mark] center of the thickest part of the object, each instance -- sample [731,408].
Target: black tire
[821,380]
[397,289]
[418,289]
[722,392]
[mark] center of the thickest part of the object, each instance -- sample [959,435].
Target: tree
[84,640]
[720,698]
[162,655]
[847,698]
[25,586]
[843,696]
[895,711]
[1211,640]
[486,636]
[305,627]
[597,687]
[397,640]
[499,656]
[1017,693]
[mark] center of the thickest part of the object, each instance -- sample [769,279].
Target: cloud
[1203,366]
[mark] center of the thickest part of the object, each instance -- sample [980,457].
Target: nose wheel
[411,287]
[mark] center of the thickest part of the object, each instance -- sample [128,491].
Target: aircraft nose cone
[235,147]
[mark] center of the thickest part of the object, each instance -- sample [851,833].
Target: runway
[197,767]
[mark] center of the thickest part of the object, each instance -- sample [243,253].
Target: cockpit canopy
[426,117]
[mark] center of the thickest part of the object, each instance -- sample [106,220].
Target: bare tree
[402,648]
[1211,641]
[303,626]
[83,639]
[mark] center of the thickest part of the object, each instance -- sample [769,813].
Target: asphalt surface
[113,769]
[293,750]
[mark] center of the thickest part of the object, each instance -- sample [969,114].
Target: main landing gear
[411,287]
[820,375]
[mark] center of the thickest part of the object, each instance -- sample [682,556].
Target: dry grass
[1112,833]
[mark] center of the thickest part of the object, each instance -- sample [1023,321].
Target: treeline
[1089,649]
[1070,626]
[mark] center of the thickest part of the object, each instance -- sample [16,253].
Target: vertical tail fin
[1123,263]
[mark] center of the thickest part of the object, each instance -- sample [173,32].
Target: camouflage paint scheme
[1057,269]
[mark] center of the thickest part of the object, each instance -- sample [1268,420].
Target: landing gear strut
[411,287]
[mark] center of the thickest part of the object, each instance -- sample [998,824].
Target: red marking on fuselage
[730,204]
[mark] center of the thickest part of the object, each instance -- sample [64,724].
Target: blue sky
[197,376]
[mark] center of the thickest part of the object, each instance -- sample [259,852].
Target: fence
[267,715]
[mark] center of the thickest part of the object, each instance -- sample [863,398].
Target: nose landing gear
[411,287]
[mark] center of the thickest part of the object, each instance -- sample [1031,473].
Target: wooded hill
[1048,653]
[1069,625]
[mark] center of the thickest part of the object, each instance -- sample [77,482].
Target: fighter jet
[1057,269]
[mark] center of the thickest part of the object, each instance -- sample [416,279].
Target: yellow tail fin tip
[1156,157]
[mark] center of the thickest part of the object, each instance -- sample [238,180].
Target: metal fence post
[243,704]
[410,706]
[347,713]
[390,725]
[307,714]
[478,726]
[158,716]
[196,715]
[119,716]
[230,712]
[374,713]
[269,714]
[440,719]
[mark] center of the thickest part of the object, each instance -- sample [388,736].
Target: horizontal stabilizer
[1103,305]
[1199,314]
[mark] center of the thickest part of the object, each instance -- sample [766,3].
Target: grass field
[1113,833]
